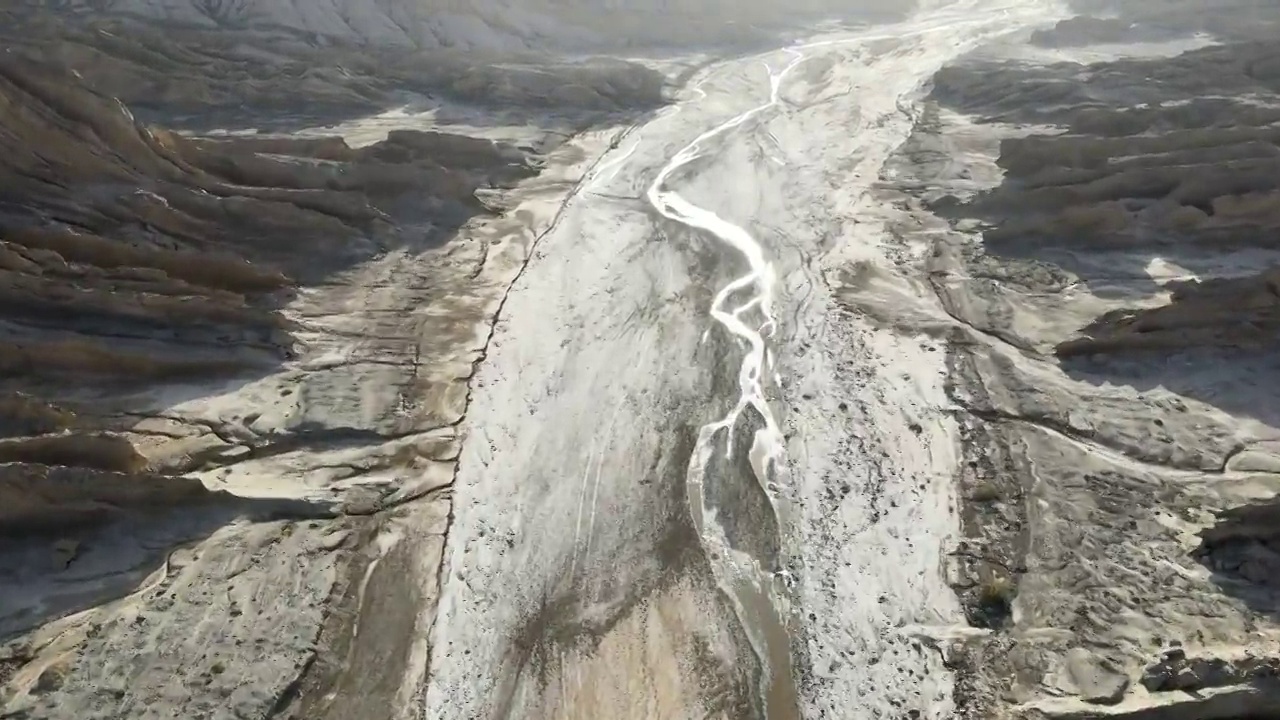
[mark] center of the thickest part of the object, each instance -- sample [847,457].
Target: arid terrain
[235,362]
[1109,267]
[461,359]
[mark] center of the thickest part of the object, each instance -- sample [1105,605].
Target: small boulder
[1096,679]
[1187,679]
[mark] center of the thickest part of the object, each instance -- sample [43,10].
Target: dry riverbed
[918,370]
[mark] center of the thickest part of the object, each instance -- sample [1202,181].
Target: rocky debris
[1177,671]
[1108,275]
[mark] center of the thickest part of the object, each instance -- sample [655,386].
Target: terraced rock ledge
[235,354]
[1102,225]
[251,257]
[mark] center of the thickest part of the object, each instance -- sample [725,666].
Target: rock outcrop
[491,26]
[1179,175]
[233,364]
[214,76]
[1109,276]
[1105,21]
[133,256]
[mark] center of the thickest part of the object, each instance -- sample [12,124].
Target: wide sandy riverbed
[611,552]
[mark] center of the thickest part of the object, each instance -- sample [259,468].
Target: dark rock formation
[207,75]
[1114,280]
[1161,19]
[1172,173]
[132,255]
[221,356]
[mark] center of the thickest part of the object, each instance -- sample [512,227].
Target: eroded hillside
[480,27]
[233,365]
[1113,276]
[274,77]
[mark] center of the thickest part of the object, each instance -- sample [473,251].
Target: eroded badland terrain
[1112,204]
[251,260]
[233,363]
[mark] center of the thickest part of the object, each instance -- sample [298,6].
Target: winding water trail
[755,590]
[746,581]
[554,600]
